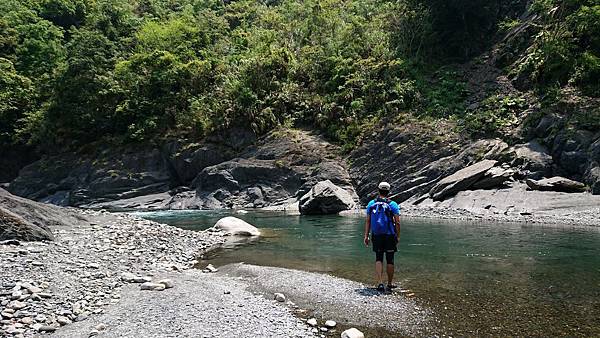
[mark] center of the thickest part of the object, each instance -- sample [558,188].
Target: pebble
[100,327]
[17,305]
[330,323]
[140,279]
[152,286]
[312,322]
[166,282]
[47,328]
[280,297]
[211,268]
[63,320]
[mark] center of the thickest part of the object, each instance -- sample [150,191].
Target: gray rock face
[460,180]
[188,160]
[25,220]
[594,179]
[493,178]
[325,198]
[533,159]
[281,168]
[399,156]
[559,184]
[235,226]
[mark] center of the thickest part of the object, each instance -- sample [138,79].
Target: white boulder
[352,333]
[235,226]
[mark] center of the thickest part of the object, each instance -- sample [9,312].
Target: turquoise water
[480,279]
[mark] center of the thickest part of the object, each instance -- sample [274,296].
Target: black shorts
[384,243]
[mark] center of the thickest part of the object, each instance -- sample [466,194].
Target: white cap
[384,186]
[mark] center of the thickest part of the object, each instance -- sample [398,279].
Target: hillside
[394,86]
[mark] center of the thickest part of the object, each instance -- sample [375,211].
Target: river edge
[80,275]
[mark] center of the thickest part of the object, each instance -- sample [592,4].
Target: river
[479,278]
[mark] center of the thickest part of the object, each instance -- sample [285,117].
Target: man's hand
[366,240]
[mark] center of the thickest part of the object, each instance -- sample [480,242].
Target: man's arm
[367,230]
[397,225]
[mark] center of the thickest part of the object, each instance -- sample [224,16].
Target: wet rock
[352,333]
[556,183]
[326,198]
[461,180]
[330,324]
[235,226]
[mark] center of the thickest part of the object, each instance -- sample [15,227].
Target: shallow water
[480,279]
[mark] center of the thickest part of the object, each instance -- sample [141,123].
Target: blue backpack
[382,217]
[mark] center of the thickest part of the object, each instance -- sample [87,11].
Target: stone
[330,323]
[152,286]
[93,333]
[41,318]
[556,183]
[140,279]
[63,320]
[312,322]
[128,277]
[532,158]
[494,178]
[168,283]
[235,226]
[31,288]
[593,179]
[326,198]
[352,333]
[101,327]
[46,328]
[211,268]
[460,180]
[280,297]
[6,314]
[17,305]
[27,320]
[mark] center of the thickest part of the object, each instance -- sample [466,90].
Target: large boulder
[532,158]
[326,198]
[26,220]
[495,177]
[460,180]
[557,183]
[236,227]
[594,179]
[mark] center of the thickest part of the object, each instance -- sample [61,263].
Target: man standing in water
[383,222]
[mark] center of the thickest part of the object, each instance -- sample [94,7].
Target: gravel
[87,282]
[347,302]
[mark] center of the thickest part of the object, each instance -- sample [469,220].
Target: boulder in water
[556,183]
[460,180]
[326,198]
[235,226]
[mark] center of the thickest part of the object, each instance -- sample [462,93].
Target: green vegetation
[75,71]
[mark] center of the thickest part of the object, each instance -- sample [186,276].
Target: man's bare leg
[379,272]
[390,273]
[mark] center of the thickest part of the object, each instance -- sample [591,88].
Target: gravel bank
[46,285]
[199,305]
[347,302]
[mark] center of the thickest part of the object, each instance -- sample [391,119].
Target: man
[383,222]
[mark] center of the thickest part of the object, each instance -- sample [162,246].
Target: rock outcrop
[559,184]
[232,226]
[278,170]
[461,180]
[326,198]
[25,220]
[532,159]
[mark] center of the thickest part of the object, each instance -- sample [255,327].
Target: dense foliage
[76,71]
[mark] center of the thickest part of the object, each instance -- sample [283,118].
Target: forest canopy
[75,71]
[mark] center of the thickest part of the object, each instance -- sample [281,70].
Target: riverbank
[78,278]
[80,285]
